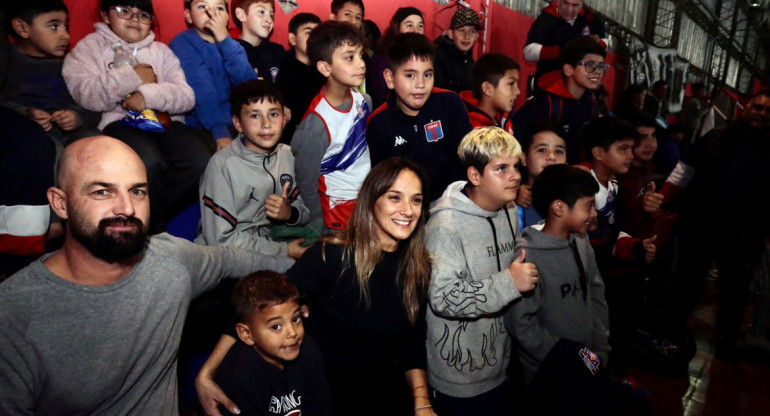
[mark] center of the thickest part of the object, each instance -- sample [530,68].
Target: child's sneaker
[629,385]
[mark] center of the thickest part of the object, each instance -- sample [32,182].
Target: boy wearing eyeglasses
[35,86]
[568,97]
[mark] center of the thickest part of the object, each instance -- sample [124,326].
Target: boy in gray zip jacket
[250,185]
[569,301]
[471,235]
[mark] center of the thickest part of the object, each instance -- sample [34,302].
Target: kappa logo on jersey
[399,141]
[274,73]
[433,131]
[586,31]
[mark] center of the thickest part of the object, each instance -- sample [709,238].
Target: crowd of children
[455,263]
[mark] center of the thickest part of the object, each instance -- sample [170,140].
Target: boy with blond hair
[475,277]
[332,157]
[254,18]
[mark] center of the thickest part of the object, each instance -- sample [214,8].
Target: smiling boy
[250,186]
[494,81]
[274,368]
[568,93]
[565,318]
[332,157]
[418,122]
[454,58]
[254,18]
[475,276]
[543,145]
[608,145]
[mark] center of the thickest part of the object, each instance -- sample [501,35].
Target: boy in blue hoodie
[213,63]
[475,277]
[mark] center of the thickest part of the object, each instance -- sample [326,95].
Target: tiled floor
[713,387]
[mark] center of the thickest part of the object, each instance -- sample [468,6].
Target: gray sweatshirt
[556,308]
[468,345]
[70,349]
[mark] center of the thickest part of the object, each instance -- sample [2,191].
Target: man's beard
[113,247]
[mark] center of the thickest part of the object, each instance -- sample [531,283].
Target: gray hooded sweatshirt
[470,287]
[557,308]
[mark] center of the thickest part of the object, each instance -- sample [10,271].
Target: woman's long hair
[394,28]
[362,242]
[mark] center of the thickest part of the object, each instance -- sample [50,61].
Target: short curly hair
[261,289]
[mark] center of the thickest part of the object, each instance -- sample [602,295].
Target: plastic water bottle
[122,56]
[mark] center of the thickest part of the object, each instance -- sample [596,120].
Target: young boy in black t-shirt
[274,368]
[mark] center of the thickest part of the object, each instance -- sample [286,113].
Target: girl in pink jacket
[176,157]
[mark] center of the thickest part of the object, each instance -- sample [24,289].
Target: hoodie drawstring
[494,236]
[581,270]
[264,166]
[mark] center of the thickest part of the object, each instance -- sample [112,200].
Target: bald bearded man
[94,328]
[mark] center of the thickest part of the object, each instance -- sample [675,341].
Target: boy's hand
[277,206]
[524,274]
[145,73]
[524,198]
[649,249]
[134,102]
[295,248]
[217,24]
[651,200]
[223,142]
[41,117]
[67,120]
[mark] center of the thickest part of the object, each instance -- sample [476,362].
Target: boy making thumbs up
[250,186]
[471,235]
